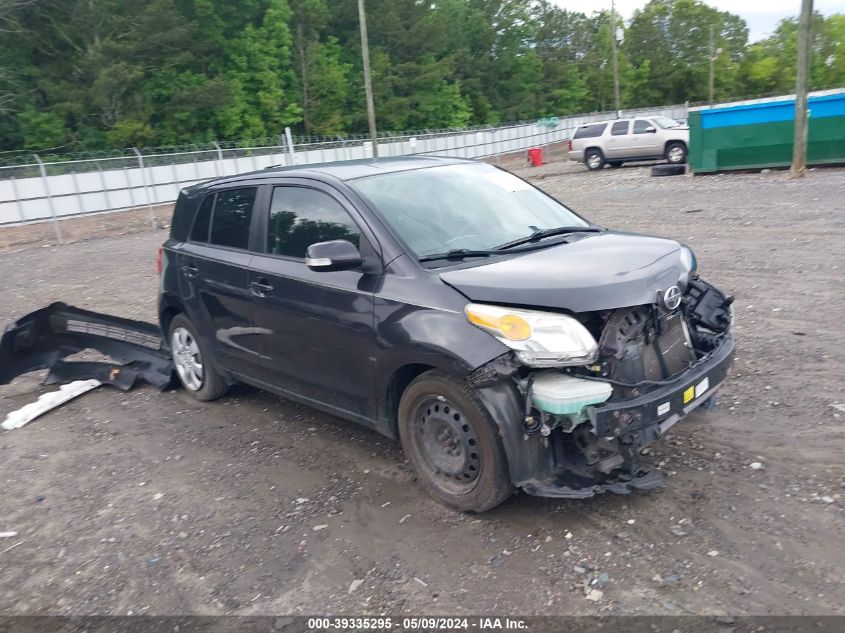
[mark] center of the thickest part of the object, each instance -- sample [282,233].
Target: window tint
[590,131]
[641,126]
[300,217]
[232,215]
[619,128]
[199,232]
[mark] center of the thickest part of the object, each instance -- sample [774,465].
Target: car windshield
[665,122]
[464,206]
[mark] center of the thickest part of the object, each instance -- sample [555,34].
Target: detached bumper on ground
[42,339]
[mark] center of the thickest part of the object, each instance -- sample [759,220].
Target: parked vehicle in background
[623,140]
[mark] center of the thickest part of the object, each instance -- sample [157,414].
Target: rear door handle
[190,269]
[261,287]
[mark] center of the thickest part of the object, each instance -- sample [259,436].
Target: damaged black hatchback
[503,339]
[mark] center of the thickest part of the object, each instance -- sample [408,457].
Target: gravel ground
[147,502]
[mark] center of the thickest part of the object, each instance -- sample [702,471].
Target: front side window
[641,126]
[619,128]
[463,206]
[300,217]
[231,218]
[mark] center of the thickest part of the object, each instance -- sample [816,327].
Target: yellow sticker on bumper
[689,394]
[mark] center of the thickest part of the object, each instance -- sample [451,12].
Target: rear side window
[202,221]
[590,131]
[300,217]
[619,128]
[231,218]
[181,223]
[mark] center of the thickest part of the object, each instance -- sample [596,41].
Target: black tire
[211,384]
[668,170]
[593,159]
[453,444]
[676,153]
[615,163]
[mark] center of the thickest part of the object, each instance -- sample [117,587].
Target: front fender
[527,454]
[407,334]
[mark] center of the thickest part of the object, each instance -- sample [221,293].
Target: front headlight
[541,339]
[688,259]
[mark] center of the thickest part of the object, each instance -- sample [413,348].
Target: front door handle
[190,269]
[261,287]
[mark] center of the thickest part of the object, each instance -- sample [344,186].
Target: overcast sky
[762,16]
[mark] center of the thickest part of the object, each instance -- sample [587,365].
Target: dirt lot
[147,502]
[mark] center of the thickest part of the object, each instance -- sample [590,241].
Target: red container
[535,155]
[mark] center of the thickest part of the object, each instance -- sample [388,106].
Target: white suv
[640,138]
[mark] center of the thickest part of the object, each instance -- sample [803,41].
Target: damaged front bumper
[42,339]
[605,454]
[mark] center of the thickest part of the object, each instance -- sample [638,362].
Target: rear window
[199,232]
[181,223]
[590,131]
[619,128]
[232,217]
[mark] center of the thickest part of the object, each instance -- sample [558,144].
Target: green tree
[674,37]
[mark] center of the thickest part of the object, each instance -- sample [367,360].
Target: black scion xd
[503,339]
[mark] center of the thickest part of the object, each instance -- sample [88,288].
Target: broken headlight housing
[540,339]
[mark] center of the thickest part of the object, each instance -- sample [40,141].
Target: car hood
[600,272]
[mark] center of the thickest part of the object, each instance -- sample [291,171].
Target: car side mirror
[334,255]
[651,130]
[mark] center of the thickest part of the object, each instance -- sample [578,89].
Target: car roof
[340,170]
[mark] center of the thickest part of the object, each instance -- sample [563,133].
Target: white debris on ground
[47,402]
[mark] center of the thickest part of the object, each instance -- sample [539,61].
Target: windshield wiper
[458,253]
[536,236]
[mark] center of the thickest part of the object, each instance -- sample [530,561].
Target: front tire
[594,159]
[193,362]
[453,444]
[676,153]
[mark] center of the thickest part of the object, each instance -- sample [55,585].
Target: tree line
[104,74]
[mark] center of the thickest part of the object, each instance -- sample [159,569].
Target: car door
[214,274]
[644,139]
[315,329]
[618,140]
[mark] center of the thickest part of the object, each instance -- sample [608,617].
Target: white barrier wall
[29,199]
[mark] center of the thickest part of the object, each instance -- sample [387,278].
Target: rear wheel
[676,153]
[453,444]
[193,362]
[594,159]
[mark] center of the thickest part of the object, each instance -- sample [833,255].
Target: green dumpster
[757,134]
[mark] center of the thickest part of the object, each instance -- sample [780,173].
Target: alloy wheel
[187,358]
[676,154]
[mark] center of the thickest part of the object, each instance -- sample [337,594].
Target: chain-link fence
[36,188]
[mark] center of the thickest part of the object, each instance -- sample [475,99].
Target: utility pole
[615,62]
[368,82]
[799,141]
[712,60]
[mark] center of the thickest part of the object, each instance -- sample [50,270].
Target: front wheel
[453,444]
[676,153]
